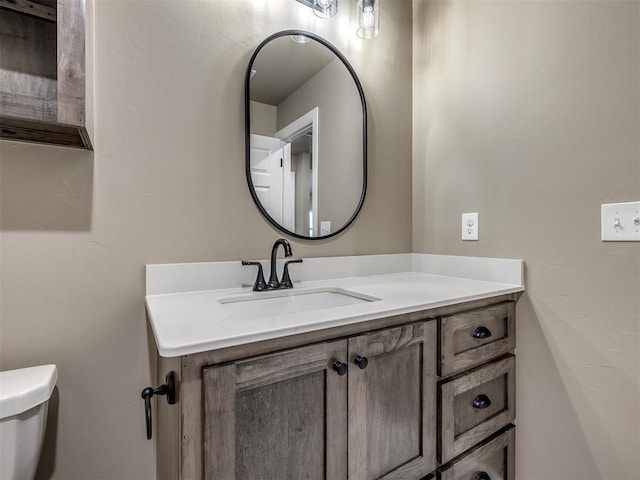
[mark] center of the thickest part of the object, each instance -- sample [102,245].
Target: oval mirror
[306,135]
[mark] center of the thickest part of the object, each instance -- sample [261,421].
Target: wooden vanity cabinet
[358,402]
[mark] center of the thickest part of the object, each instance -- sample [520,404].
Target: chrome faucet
[274,283]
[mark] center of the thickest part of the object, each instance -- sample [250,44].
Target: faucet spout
[273,276]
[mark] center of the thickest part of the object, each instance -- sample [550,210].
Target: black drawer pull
[482,476]
[481,333]
[361,362]
[340,368]
[481,402]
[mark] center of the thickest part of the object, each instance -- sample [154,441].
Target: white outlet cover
[620,222]
[325,228]
[470,226]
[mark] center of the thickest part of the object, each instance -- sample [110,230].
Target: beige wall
[166,184]
[528,113]
[263,118]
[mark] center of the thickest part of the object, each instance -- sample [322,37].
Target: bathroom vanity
[415,380]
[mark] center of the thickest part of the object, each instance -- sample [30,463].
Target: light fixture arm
[322,8]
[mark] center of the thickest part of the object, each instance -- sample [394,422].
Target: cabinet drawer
[475,405]
[471,338]
[493,460]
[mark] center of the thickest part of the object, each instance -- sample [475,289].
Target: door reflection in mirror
[283,171]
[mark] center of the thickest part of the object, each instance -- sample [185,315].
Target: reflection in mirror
[306,135]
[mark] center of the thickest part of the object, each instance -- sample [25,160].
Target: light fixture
[368,18]
[325,8]
[322,8]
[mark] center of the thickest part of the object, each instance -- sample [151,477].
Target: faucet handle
[286,280]
[260,283]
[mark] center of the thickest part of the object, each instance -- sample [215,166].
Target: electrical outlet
[470,226]
[325,228]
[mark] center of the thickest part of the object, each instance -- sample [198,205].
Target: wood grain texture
[392,403]
[464,340]
[288,412]
[496,457]
[357,418]
[337,426]
[28,75]
[219,422]
[20,130]
[387,341]
[450,444]
[167,424]
[71,62]
[280,429]
[412,470]
[429,396]
[279,366]
[28,7]
[457,351]
[467,416]
[35,108]
[191,418]
[394,417]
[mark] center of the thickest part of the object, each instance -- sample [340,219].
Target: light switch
[470,226]
[621,222]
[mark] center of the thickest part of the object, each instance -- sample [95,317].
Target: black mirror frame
[247,114]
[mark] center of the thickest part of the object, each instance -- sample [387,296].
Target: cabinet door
[280,416]
[392,403]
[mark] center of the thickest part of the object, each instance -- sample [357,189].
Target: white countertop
[191,322]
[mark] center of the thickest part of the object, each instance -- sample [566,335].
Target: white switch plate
[470,226]
[325,228]
[621,222]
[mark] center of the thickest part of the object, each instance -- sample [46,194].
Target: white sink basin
[269,304]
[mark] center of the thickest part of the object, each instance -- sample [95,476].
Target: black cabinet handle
[168,389]
[481,402]
[482,476]
[340,368]
[361,362]
[481,333]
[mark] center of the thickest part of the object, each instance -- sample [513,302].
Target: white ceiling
[283,65]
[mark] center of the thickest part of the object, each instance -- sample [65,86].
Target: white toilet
[24,397]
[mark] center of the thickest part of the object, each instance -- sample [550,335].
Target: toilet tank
[24,395]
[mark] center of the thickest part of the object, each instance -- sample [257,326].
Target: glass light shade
[325,8]
[368,18]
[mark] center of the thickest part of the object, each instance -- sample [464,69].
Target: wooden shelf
[42,72]
[37,9]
